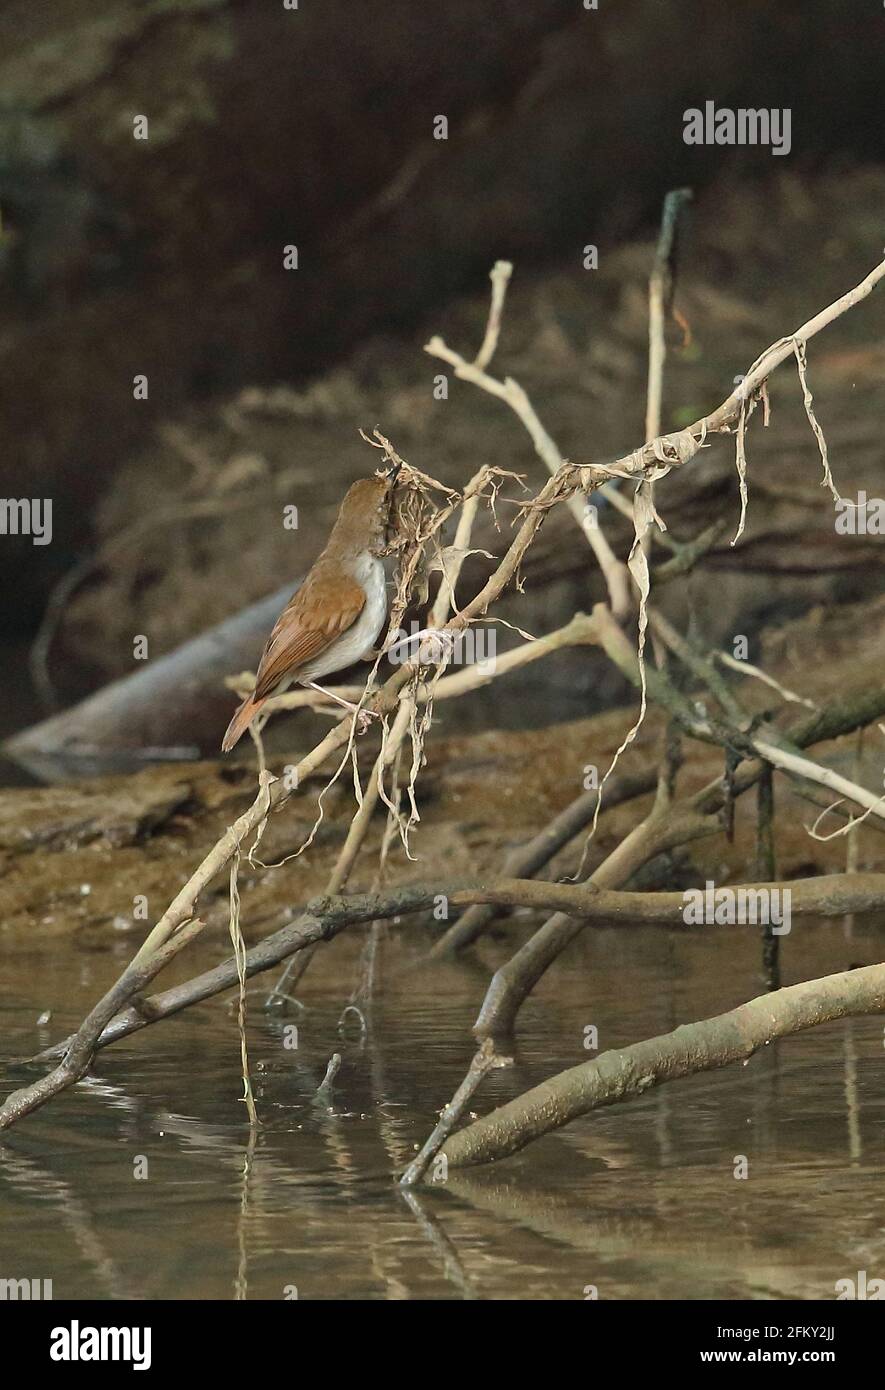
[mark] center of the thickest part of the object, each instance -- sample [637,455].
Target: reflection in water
[27,1179]
[146,1182]
[852,1102]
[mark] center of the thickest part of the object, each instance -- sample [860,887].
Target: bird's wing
[322,610]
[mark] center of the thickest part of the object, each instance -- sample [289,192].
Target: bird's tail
[243,717]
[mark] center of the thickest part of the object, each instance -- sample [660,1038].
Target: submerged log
[175,708]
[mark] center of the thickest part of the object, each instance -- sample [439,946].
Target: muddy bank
[104,857]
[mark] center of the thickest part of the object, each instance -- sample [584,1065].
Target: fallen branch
[80,1048]
[831,895]
[665,828]
[630,1072]
[527,859]
[486,1060]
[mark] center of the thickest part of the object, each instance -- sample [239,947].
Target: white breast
[359,639]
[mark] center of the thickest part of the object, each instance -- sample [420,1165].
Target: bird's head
[364,520]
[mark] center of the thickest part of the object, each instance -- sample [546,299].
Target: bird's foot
[435,644]
[364,719]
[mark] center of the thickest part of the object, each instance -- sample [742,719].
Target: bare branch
[633,1071]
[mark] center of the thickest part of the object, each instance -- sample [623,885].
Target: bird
[336,614]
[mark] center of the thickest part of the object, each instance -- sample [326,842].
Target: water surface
[638,1200]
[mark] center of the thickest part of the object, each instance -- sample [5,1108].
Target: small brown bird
[336,615]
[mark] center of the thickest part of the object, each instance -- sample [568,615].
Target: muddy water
[639,1200]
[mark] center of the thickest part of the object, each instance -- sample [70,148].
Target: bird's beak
[389,528]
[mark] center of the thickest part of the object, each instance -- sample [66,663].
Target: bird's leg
[365,715]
